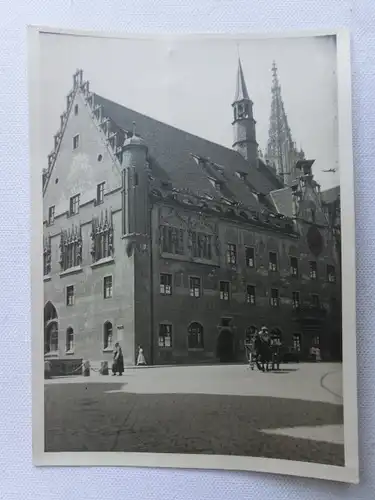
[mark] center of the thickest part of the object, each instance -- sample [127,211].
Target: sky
[190,84]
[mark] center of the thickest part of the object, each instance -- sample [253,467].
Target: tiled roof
[172,158]
[331,195]
[282,201]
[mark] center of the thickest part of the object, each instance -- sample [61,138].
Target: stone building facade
[157,238]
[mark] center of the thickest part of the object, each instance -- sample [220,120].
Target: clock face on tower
[315,240]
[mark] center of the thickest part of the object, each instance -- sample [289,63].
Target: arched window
[195,336]
[51,338]
[108,335]
[49,312]
[69,340]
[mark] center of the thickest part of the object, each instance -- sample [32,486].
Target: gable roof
[175,157]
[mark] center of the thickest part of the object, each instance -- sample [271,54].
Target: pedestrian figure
[140,359]
[263,349]
[118,360]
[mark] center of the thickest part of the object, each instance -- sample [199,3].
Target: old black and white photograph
[193,225]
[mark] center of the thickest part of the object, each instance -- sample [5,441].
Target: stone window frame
[100,188]
[273,266]
[106,297]
[251,257]
[107,346]
[74,203]
[69,340]
[247,295]
[296,304]
[73,295]
[200,345]
[166,289]
[275,301]
[299,336]
[76,141]
[331,273]
[294,270]
[192,288]
[313,270]
[51,214]
[231,254]
[223,292]
[170,326]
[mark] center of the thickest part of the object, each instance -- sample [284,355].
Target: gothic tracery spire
[281,149]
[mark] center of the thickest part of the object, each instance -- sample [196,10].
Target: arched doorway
[225,346]
[51,337]
[195,336]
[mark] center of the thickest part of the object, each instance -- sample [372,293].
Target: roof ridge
[167,125]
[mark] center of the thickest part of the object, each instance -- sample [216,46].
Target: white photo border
[348,473]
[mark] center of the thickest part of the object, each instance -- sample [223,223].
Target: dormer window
[216,184]
[76,141]
[241,175]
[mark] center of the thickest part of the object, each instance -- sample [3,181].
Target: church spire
[241,89]
[281,149]
[244,140]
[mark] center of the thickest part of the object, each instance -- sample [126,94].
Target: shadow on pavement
[81,417]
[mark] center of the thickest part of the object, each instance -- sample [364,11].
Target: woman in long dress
[118,360]
[141,358]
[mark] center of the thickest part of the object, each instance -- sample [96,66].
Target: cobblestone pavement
[211,409]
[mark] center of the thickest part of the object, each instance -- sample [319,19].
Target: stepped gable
[175,154]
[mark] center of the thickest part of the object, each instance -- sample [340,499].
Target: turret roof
[241,89]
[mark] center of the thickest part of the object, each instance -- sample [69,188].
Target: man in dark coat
[118,360]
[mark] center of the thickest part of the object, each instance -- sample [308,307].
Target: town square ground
[294,414]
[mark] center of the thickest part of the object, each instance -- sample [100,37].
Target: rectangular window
[165,335]
[294,266]
[51,215]
[74,204]
[331,274]
[274,300]
[172,240]
[108,287]
[202,245]
[100,193]
[315,300]
[195,287]
[250,294]
[166,284]
[313,270]
[296,301]
[70,295]
[224,290]
[231,254]
[76,141]
[316,340]
[46,256]
[297,342]
[272,261]
[250,257]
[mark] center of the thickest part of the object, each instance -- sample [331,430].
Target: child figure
[141,359]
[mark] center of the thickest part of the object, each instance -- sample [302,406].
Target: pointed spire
[281,149]
[241,89]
